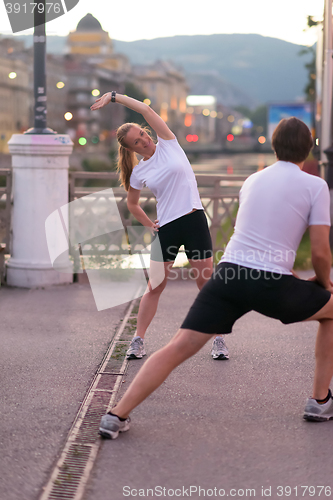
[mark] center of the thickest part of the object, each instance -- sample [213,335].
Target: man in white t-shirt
[276,206]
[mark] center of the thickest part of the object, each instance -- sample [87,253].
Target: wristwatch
[113,96]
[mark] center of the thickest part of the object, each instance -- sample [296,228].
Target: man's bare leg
[324,359]
[324,351]
[182,346]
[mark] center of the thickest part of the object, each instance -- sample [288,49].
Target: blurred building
[93,69]
[167,89]
[19,62]
[209,122]
[14,92]
[200,119]
[95,46]
[89,38]
[232,127]
[89,68]
[85,83]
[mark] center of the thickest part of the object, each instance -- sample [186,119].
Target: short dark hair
[292,140]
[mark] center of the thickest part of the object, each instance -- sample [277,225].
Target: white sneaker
[111,425]
[219,349]
[319,413]
[136,349]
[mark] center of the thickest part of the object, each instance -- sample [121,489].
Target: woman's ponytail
[126,159]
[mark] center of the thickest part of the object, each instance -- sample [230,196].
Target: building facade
[167,89]
[14,92]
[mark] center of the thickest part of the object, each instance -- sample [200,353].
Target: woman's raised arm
[152,118]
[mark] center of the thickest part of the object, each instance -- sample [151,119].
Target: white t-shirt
[169,175]
[276,207]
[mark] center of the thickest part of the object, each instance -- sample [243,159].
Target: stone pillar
[40,186]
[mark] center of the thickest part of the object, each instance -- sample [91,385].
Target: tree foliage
[310,87]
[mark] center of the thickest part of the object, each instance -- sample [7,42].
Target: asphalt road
[233,428]
[226,426]
[52,342]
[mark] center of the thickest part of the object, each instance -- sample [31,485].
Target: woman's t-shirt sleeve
[164,143]
[135,182]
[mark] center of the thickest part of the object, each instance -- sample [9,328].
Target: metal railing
[219,195]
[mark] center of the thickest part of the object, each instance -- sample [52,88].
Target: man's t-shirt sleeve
[320,211]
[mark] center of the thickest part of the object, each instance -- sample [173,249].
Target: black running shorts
[235,290]
[190,230]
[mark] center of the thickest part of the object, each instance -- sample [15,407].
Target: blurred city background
[221,94]
[222,75]
[215,92]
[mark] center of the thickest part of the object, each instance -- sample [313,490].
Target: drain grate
[70,475]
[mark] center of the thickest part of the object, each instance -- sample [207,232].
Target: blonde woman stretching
[165,169]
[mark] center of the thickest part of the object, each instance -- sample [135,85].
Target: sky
[131,20]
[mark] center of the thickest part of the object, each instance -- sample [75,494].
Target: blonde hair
[126,159]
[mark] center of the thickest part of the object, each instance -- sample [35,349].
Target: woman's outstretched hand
[101,101]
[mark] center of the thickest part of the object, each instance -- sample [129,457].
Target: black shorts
[190,230]
[235,290]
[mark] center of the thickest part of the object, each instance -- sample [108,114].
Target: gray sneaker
[136,350]
[111,425]
[318,413]
[219,349]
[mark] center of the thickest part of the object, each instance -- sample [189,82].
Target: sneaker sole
[221,357]
[133,356]
[108,434]
[312,417]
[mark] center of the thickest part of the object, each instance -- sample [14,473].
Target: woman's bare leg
[149,302]
[202,269]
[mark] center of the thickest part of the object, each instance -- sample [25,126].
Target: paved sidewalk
[51,343]
[231,425]
[214,424]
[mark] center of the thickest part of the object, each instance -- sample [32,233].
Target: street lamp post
[326,145]
[40,162]
[326,118]
[40,97]
[329,179]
